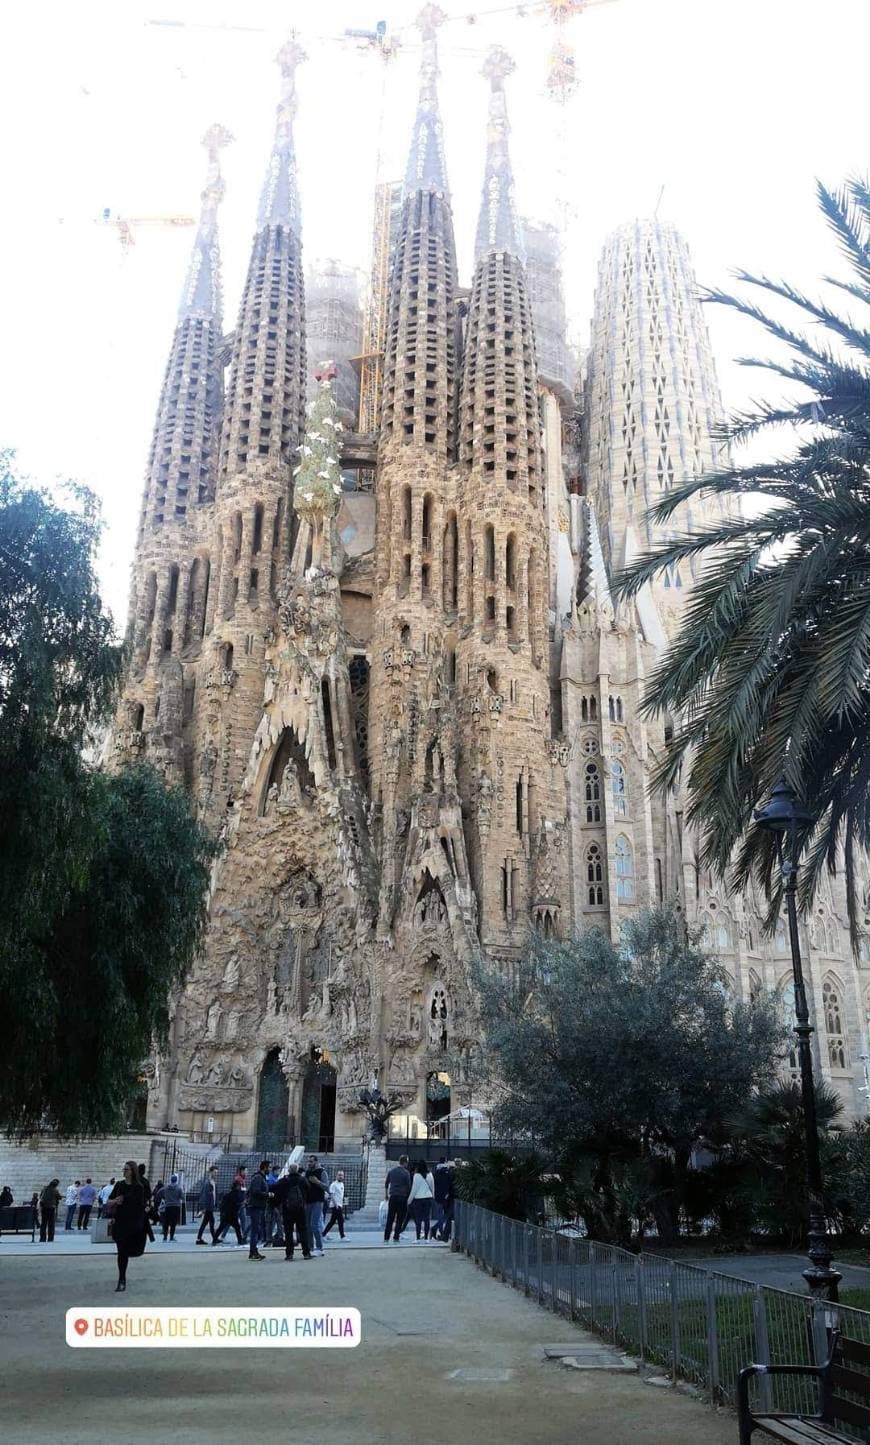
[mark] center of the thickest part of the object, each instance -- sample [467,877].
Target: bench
[845,1370]
[16,1218]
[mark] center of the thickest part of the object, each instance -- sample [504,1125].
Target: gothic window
[755,989]
[406,513]
[427,523]
[624,870]
[510,562]
[593,794]
[450,565]
[618,789]
[358,671]
[594,876]
[834,1023]
[489,553]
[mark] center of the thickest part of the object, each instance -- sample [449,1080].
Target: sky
[721,113]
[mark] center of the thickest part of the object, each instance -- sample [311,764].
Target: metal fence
[695,1323]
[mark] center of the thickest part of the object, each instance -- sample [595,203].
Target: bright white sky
[734,106]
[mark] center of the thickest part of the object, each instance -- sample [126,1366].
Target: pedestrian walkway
[79,1242]
[448,1354]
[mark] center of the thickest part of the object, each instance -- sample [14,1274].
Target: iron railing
[697,1324]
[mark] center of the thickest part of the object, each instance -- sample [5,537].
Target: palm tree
[768,676]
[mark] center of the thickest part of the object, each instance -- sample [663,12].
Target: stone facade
[414,714]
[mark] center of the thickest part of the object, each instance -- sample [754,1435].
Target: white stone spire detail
[279,199]
[426,169]
[498,228]
[202,288]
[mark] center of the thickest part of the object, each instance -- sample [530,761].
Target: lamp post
[786,816]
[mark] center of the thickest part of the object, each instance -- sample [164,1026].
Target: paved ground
[426,1314]
[779,1271]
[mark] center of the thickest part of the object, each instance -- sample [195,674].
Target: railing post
[540,1254]
[675,1320]
[554,1247]
[592,1284]
[617,1314]
[762,1347]
[641,1303]
[525,1259]
[712,1339]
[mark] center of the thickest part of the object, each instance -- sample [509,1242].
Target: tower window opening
[327,722]
[489,553]
[406,512]
[173,591]
[258,528]
[253,586]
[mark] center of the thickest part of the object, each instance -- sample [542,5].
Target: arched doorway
[437,1097]
[273,1106]
[318,1104]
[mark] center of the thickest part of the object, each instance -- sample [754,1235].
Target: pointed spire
[498,228]
[593,586]
[202,288]
[279,198]
[426,170]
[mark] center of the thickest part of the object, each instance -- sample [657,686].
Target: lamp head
[783,810]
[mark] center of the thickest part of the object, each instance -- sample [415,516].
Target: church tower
[412,746]
[171,569]
[502,652]
[652,399]
[263,422]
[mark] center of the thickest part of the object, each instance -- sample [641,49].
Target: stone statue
[232,1028]
[231,976]
[212,1020]
[216,1073]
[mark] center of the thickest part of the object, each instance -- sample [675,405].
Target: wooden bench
[842,1377]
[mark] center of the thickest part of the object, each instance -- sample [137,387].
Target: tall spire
[202,288]
[279,198]
[426,169]
[498,228]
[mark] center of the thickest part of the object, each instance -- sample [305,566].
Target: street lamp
[785,815]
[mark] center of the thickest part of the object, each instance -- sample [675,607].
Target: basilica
[386,665]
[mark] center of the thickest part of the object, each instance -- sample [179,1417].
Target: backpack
[295,1197]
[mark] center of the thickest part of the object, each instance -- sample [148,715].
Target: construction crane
[124,225]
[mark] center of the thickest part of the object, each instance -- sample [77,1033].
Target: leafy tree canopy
[770,673]
[103,877]
[636,1044]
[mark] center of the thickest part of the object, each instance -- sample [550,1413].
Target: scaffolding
[334,327]
[370,363]
[556,362]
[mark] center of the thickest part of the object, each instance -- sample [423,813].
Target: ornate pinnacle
[498,228]
[279,201]
[498,66]
[426,169]
[429,20]
[202,289]
[215,138]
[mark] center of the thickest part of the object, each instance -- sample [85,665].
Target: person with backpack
[207,1203]
[291,1198]
[170,1206]
[231,1204]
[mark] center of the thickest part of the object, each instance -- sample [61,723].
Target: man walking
[147,1196]
[207,1202]
[398,1187]
[291,1198]
[241,1180]
[87,1195]
[317,1196]
[336,1205]
[258,1198]
[71,1200]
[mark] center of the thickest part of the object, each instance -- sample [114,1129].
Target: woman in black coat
[127,1213]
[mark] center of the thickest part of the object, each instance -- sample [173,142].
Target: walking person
[317,1196]
[71,1200]
[126,1210]
[291,1199]
[420,1198]
[449,1202]
[442,1181]
[170,1205]
[397,1187]
[157,1195]
[242,1181]
[258,1198]
[207,1203]
[336,1205]
[49,1199]
[231,1204]
[87,1195]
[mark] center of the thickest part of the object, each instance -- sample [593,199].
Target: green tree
[616,1060]
[103,877]
[769,673]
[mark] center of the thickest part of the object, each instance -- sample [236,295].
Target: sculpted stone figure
[212,1020]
